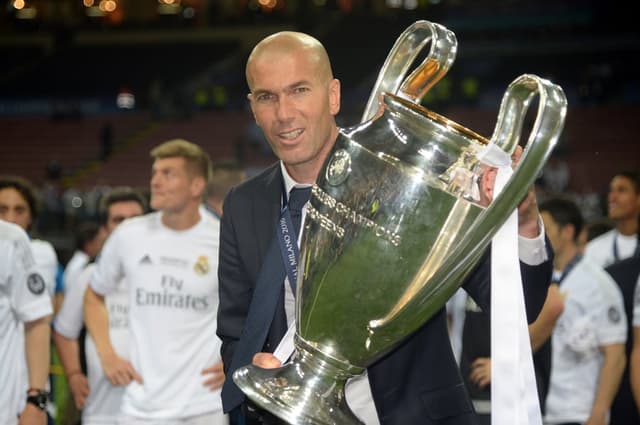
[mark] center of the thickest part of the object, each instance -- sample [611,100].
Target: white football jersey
[173,301]
[23,298]
[74,267]
[46,262]
[593,316]
[601,250]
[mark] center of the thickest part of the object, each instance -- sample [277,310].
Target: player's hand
[266,361]
[597,419]
[119,371]
[79,386]
[215,376]
[481,372]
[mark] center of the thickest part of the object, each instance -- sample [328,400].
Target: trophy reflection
[394,225]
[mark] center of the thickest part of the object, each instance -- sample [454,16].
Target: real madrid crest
[339,167]
[202,265]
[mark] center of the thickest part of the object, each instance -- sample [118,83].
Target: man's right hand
[266,361]
[79,386]
[119,371]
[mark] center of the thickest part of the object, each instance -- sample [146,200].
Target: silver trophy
[394,225]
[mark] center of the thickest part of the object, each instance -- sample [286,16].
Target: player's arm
[118,370]
[37,341]
[69,352]
[542,328]
[67,327]
[32,307]
[539,331]
[608,382]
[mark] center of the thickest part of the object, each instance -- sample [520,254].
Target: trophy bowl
[393,226]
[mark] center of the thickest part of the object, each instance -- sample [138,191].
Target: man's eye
[265,97]
[301,90]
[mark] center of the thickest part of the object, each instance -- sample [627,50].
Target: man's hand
[79,386]
[598,419]
[266,361]
[528,224]
[215,377]
[481,372]
[528,214]
[32,415]
[119,371]
[528,221]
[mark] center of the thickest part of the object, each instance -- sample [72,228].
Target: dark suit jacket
[248,224]
[625,273]
[418,382]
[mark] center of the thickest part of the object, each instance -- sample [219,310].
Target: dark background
[64,63]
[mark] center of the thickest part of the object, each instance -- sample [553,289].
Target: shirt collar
[289,182]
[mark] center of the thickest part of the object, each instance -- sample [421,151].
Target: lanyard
[568,268]
[288,241]
[616,257]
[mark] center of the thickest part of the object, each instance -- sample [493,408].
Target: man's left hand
[528,221]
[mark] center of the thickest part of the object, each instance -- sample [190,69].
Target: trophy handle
[406,48]
[552,107]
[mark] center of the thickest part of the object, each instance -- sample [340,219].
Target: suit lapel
[266,208]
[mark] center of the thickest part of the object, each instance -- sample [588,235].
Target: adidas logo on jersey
[145,260]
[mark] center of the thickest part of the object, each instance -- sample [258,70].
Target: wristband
[38,398]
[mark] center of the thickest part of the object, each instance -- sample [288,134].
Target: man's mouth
[290,135]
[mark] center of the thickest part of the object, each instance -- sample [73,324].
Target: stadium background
[87,87]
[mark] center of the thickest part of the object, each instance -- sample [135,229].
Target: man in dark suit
[294,99]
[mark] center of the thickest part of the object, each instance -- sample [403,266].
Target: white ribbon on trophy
[514,395]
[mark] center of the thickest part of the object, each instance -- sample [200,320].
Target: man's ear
[250,97]
[568,232]
[334,96]
[198,185]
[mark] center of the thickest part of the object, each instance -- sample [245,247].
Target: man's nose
[155,180]
[284,109]
[10,216]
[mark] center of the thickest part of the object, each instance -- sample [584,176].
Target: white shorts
[211,418]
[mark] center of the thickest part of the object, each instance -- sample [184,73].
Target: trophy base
[307,390]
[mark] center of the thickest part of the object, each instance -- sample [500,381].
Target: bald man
[294,99]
